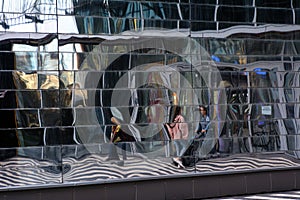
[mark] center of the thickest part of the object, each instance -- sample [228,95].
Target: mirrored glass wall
[90,89]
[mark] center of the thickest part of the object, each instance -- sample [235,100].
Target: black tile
[208,186]
[122,191]
[21,195]
[151,190]
[179,188]
[283,180]
[297,179]
[89,192]
[233,184]
[258,182]
[65,193]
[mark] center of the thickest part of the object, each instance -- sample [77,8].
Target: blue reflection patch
[260,72]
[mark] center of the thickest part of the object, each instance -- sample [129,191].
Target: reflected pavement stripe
[287,195]
[269,196]
[264,197]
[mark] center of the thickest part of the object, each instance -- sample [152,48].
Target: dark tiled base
[195,187]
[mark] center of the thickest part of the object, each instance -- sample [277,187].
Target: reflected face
[202,111]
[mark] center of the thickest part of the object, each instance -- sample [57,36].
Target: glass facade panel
[90,90]
[235,14]
[202,12]
[270,15]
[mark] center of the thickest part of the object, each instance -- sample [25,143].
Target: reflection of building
[64,66]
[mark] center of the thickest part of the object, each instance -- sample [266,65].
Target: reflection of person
[204,121]
[178,131]
[189,158]
[121,139]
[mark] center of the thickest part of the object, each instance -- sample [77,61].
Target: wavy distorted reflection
[72,72]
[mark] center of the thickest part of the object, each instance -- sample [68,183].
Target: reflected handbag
[120,136]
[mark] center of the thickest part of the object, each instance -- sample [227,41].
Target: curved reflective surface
[75,73]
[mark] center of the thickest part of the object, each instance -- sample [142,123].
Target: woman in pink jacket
[178,130]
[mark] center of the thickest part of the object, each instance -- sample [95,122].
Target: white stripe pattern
[20,171]
[291,195]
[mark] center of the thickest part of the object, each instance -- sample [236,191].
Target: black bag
[190,156]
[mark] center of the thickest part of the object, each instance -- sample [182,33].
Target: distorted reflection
[84,81]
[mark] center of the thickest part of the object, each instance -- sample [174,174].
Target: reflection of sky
[26,57]
[49,10]
[45,10]
[64,24]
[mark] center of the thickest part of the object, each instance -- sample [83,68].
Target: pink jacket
[178,129]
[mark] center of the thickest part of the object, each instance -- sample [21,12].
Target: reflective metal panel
[90,90]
